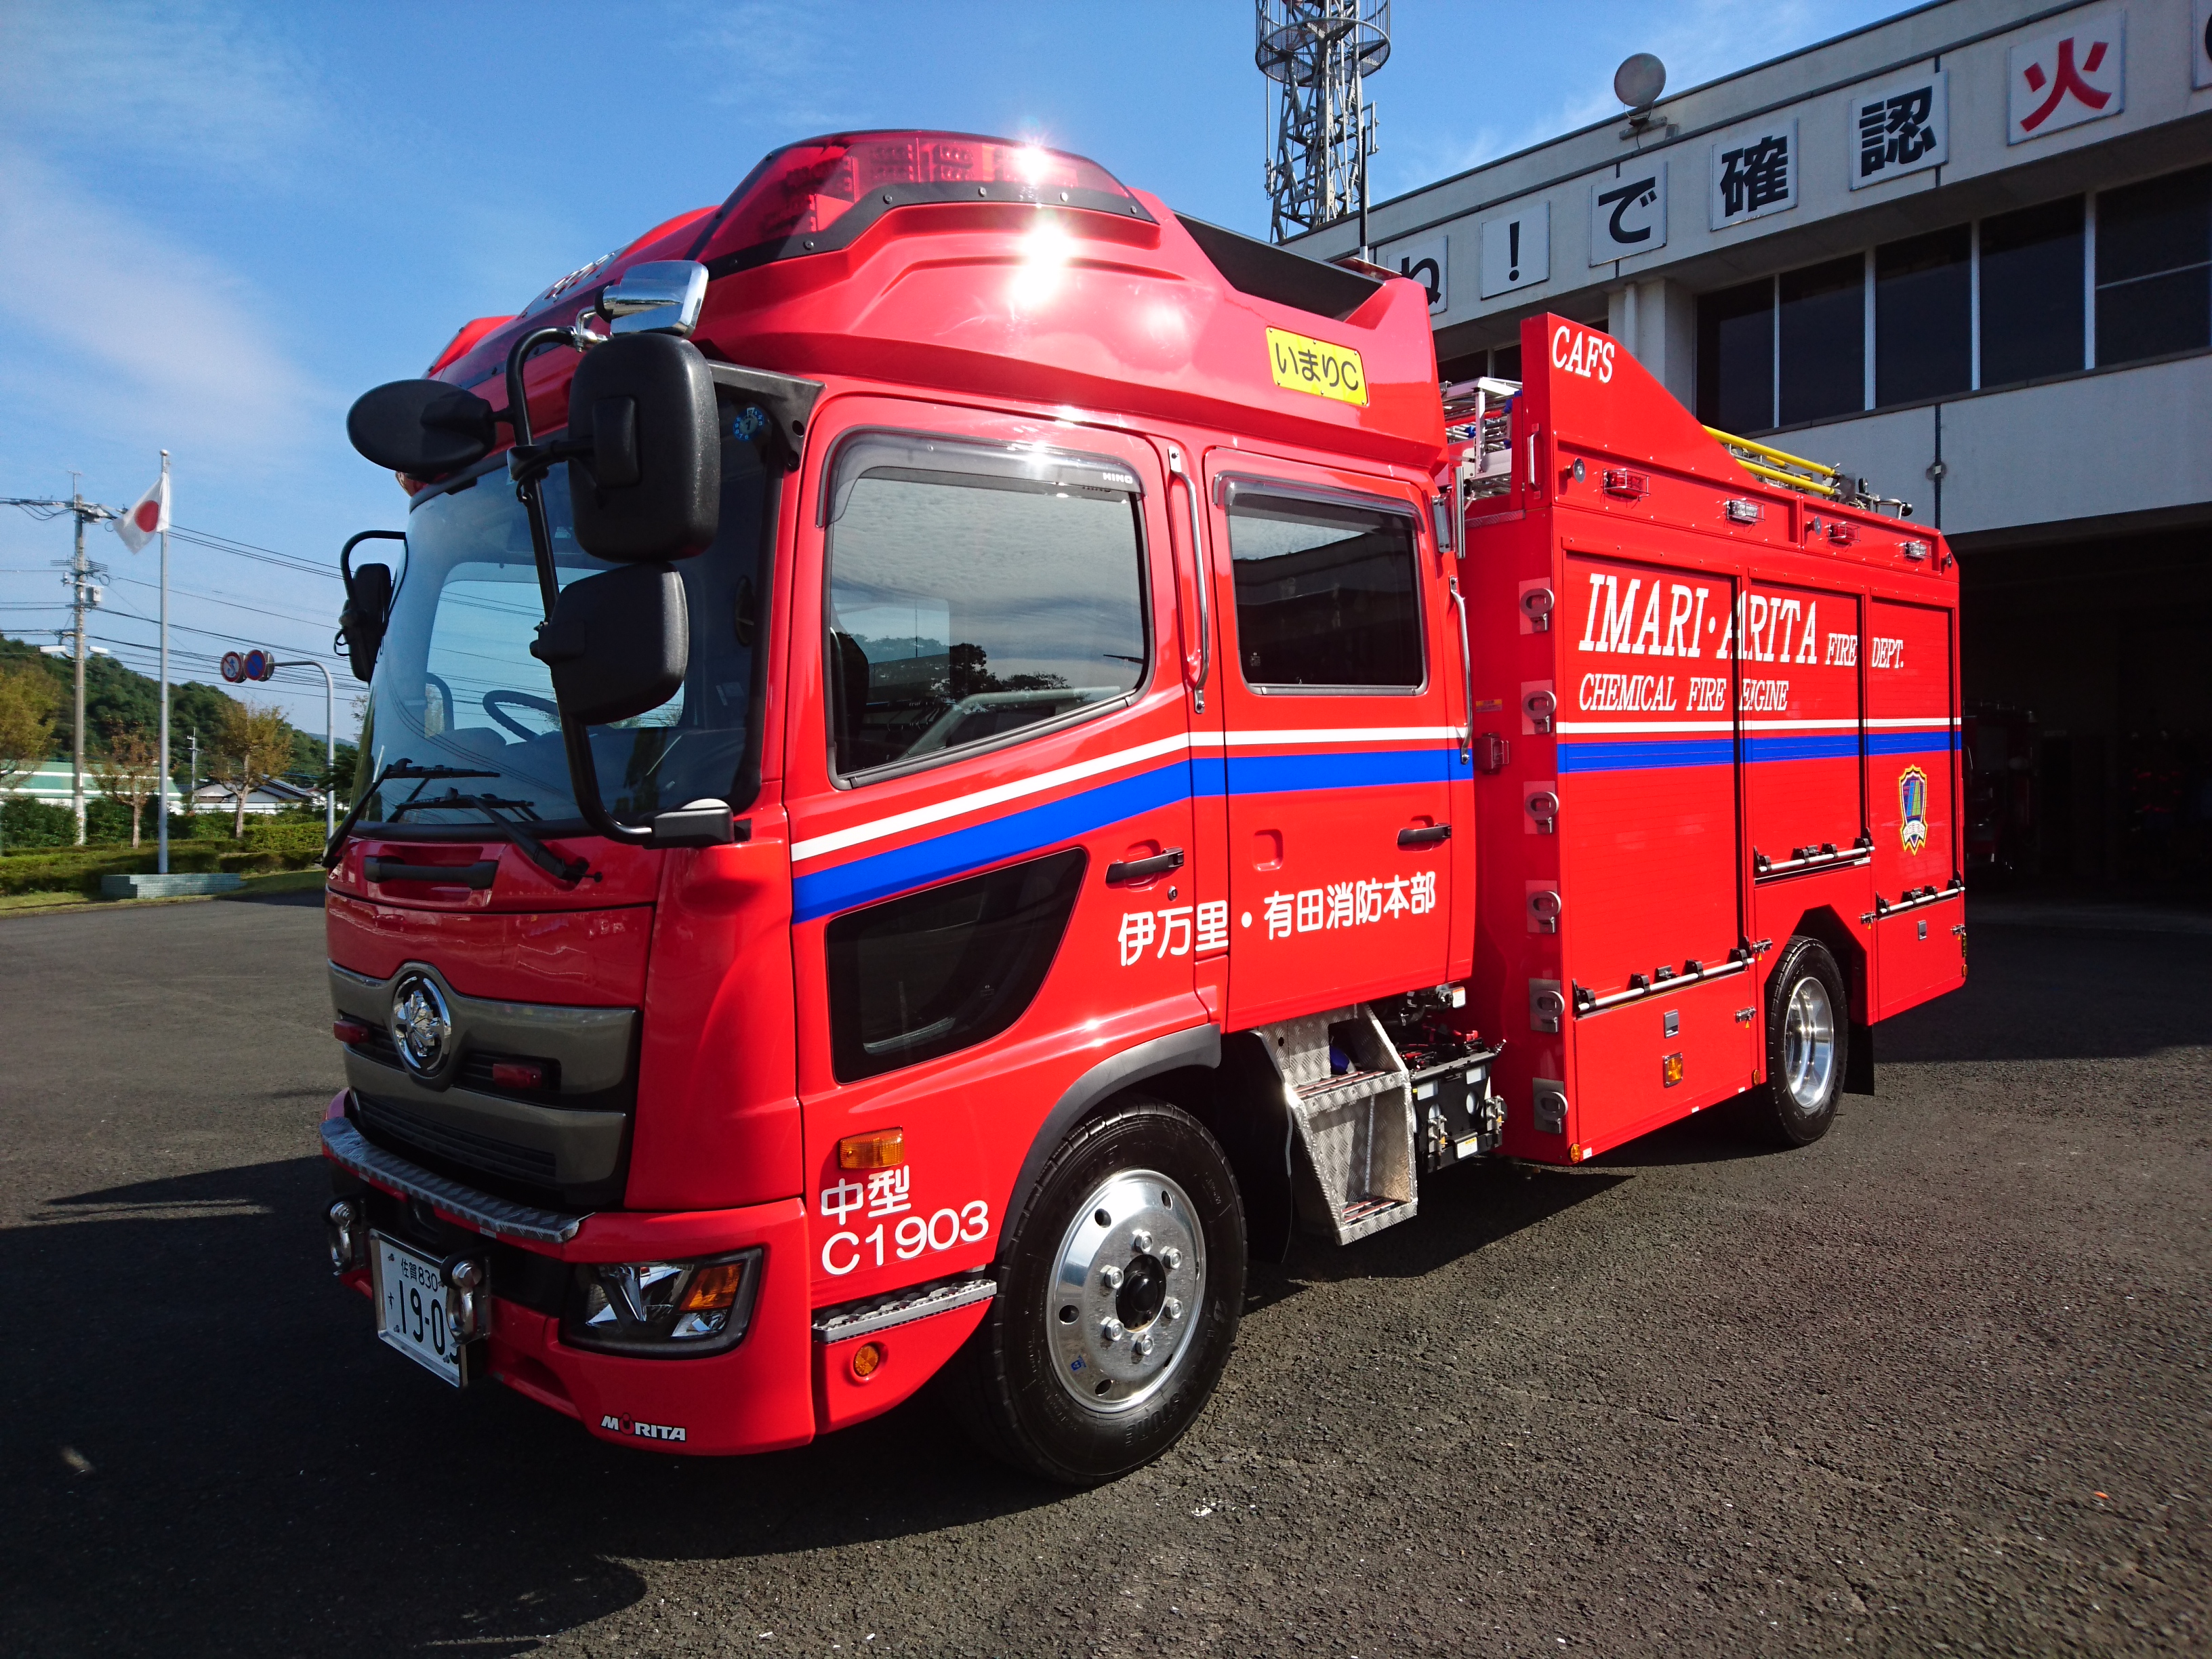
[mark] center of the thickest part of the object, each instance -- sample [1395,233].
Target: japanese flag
[148,520]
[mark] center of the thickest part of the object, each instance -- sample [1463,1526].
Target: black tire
[1116,1410]
[1808,1044]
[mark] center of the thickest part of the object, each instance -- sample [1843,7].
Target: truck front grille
[390,1121]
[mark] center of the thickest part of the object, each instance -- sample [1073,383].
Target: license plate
[410,1310]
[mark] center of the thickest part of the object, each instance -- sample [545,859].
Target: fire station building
[1965,253]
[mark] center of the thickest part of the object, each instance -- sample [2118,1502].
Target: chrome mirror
[663,296]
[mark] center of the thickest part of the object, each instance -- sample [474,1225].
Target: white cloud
[189,86]
[122,332]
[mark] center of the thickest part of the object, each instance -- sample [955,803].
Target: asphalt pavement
[1937,1383]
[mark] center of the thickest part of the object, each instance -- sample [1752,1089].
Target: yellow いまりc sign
[1301,364]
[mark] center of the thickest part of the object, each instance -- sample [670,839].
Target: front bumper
[757,1396]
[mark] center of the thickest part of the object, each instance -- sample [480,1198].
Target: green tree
[254,745]
[129,771]
[26,719]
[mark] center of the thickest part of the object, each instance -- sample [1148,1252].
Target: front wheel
[1118,1300]
[1808,1033]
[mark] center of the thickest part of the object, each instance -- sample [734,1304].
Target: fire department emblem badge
[1912,808]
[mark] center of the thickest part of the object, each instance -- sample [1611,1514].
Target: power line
[240,550]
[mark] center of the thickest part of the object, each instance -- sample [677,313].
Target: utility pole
[161,776]
[330,741]
[84,596]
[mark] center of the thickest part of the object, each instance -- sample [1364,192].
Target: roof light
[812,196]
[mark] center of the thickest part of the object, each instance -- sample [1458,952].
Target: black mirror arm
[345,553]
[584,778]
[528,463]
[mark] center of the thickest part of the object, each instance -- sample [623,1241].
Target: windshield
[456,686]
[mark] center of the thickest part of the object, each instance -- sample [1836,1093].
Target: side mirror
[368,602]
[367,607]
[650,486]
[618,643]
[425,428]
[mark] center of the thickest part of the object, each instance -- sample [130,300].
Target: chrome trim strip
[1840,859]
[881,1313]
[350,1149]
[1883,907]
[1618,999]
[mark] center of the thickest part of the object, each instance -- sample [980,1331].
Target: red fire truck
[954,755]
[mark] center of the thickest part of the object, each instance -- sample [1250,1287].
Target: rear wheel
[1807,1035]
[1118,1301]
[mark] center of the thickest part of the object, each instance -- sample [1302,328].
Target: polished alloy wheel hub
[1130,1281]
[1809,1044]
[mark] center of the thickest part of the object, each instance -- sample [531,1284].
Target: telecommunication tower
[1320,53]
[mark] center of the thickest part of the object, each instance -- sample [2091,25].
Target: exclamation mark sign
[1513,250]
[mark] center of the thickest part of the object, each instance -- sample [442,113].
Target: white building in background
[1966,252]
[50,783]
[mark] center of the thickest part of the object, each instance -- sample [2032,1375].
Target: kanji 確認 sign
[1755,172]
[1902,127]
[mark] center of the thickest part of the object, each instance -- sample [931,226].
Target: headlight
[662,1309]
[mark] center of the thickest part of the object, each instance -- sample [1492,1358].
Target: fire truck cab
[953,755]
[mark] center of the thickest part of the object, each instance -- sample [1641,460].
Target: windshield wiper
[403,768]
[569,871]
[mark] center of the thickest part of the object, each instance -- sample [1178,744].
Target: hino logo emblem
[421,1028]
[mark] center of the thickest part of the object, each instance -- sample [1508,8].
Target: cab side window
[976,592]
[1327,595]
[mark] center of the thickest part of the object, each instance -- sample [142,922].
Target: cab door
[1339,738]
[989,792]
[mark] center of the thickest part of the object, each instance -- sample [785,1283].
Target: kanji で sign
[1628,212]
[1301,364]
[1754,173]
[2061,79]
[1900,128]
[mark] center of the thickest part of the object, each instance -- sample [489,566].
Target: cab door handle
[1144,869]
[1428,835]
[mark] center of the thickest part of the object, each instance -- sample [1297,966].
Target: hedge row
[78,869]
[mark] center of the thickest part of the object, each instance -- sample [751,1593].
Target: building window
[1821,333]
[2030,293]
[1735,357]
[1923,317]
[2154,268]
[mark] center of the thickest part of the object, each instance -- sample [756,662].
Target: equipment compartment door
[1799,706]
[1339,738]
[1645,818]
[1912,753]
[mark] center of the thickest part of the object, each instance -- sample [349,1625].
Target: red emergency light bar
[812,196]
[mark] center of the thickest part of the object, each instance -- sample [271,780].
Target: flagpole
[161,782]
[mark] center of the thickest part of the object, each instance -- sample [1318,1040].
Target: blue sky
[223,222]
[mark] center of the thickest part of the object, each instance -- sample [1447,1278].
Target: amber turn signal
[1671,1069]
[865,1359]
[880,1149]
[713,1288]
